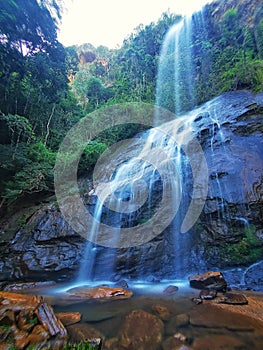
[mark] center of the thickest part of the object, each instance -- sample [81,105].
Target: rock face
[227,234]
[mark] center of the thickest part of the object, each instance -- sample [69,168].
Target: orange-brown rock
[217,342]
[68,318]
[21,343]
[100,292]
[21,340]
[29,321]
[25,320]
[141,330]
[253,308]
[214,316]
[20,300]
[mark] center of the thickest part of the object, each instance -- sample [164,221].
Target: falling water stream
[175,91]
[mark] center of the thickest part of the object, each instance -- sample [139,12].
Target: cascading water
[169,167]
[175,91]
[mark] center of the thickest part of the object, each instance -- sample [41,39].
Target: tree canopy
[46,88]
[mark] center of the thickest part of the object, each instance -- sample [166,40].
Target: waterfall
[130,201]
[175,82]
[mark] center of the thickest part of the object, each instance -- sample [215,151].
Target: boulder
[176,322]
[69,318]
[141,330]
[210,316]
[99,293]
[209,280]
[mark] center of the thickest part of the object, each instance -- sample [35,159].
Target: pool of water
[208,327]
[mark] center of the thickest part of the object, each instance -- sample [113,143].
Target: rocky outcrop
[29,321]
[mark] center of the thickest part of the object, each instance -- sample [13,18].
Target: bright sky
[109,22]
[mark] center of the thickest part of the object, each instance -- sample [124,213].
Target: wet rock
[68,318]
[25,320]
[170,290]
[176,322]
[217,342]
[209,280]
[172,343]
[41,332]
[112,342]
[83,332]
[197,301]
[162,312]
[251,311]
[21,340]
[207,294]
[7,318]
[28,285]
[29,321]
[210,316]
[141,330]
[123,284]
[99,292]
[234,299]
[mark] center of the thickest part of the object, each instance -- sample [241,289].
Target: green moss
[248,250]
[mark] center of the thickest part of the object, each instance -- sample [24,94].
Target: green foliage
[90,155]
[38,106]
[85,345]
[248,250]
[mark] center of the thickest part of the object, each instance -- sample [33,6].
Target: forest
[46,88]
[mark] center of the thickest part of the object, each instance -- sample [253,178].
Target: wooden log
[50,322]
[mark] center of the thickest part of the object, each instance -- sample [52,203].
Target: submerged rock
[99,292]
[217,342]
[85,332]
[162,312]
[170,290]
[141,330]
[209,280]
[175,342]
[210,315]
[176,322]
